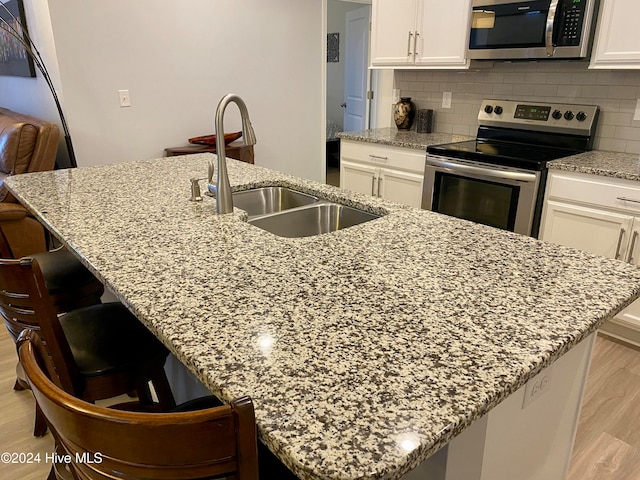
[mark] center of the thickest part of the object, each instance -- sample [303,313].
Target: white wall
[178,59]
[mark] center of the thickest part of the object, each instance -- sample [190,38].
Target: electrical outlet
[125,99]
[446,99]
[537,386]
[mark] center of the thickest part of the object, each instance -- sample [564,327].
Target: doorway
[347,75]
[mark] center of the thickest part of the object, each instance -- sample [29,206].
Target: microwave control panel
[571,20]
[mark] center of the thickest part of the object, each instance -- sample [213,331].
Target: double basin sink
[289,213]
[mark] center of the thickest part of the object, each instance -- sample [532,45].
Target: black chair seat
[62,271]
[107,338]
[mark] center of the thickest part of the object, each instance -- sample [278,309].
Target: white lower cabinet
[392,173]
[600,215]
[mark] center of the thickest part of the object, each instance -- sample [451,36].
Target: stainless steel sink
[312,220]
[261,201]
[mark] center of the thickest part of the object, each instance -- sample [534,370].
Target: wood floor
[607,445]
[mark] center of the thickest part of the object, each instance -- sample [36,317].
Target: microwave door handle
[551,20]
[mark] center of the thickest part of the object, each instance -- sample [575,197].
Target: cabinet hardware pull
[625,199]
[617,257]
[409,44]
[373,186]
[633,246]
[379,186]
[415,46]
[378,157]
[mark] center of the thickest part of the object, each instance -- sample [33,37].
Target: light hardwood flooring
[607,445]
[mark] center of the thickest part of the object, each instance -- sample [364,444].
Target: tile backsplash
[616,92]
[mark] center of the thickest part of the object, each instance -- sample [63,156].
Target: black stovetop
[496,152]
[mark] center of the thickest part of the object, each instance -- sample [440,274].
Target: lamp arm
[33,52]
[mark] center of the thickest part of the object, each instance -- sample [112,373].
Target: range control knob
[581,116]
[557,114]
[568,115]
[488,109]
[498,110]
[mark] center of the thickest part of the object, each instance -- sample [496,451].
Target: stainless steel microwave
[537,29]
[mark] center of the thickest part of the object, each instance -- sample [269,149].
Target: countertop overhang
[412,324]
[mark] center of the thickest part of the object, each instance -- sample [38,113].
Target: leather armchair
[27,144]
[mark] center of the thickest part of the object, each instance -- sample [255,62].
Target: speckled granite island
[365,350]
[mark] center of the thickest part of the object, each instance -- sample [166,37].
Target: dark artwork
[14,60]
[333,47]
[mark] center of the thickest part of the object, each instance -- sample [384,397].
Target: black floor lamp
[20,34]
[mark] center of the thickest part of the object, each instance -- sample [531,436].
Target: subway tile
[617,119]
[623,92]
[633,147]
[503,89]
[555,78]
[627,133]
[570,92]
[461,129]
[632,78]
[610,144]
[546,90]
[442,127]
[610,78]
[571,82]
[514,77]
[595,91]
[536,77]
[606,131]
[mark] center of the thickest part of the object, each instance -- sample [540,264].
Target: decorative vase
[403,113]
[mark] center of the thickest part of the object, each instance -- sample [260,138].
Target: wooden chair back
[25,304]
[103,443]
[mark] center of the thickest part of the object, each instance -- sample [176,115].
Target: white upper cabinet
[393,24]
[420,33]
[617,42]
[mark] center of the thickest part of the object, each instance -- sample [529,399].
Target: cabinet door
[401,187]
[443,32]
[617,43]
[358,178]
[393,25]
[596,231]
[630,316]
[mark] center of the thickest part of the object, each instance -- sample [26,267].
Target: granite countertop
[412,324]
[397,138]
[598,162]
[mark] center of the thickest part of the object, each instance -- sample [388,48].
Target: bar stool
[215,442]
[96,352]
[69,284]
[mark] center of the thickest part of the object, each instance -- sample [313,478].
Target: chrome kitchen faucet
[222,188]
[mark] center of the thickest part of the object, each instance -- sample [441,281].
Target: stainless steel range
[498,179]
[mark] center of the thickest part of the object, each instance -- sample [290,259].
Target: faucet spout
[222,188]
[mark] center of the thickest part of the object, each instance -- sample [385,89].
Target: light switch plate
[125,99]
[446,99]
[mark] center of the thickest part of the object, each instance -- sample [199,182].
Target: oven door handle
[458,168]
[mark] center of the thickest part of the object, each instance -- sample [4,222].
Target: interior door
[356,72]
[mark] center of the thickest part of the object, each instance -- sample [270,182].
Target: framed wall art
[14,59]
